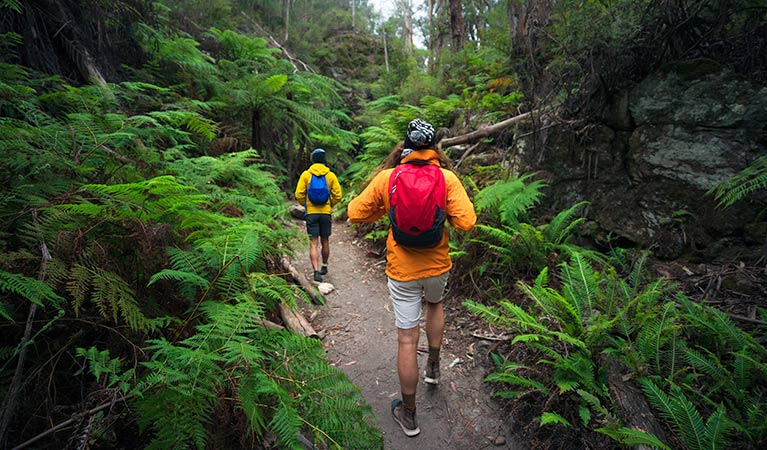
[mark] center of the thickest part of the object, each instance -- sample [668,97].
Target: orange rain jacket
[333,185]
[408,263]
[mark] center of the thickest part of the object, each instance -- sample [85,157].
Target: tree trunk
[457,37]
[286,11]
[407,24]
[386,49]
[526,20]
[255,129]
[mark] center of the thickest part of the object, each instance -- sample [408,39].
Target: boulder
[647,170]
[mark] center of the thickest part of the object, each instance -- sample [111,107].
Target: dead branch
[467,153]
[9,403]
[483,132]
[274,42]
[63,424]
[314,294]
[296,322]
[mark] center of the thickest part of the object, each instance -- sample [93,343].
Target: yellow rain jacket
[408,263]
[333,185]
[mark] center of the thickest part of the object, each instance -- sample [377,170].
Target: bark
[386,48]
[71,38]
[296,322]
[314,294]
[457,37]
[407,24]
[484,131]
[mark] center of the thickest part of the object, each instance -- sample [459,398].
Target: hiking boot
[405,418]
[431,375]
[324,270]
[317,276]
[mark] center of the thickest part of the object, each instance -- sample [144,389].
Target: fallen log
[632,405]
[312,291]
[483,132]
[271,325]
[296,322]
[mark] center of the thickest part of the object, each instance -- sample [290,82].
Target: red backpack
[417,196]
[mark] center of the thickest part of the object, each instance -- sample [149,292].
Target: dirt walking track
[357,326]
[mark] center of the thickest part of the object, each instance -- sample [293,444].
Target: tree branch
[274,42]
[484,131]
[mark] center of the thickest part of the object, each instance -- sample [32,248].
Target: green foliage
[751,179]
[633,437]
[690,358]
[509,200]
[687,421]
[279,380]
[109,293]
[27,288]
[520,246]
[146,234]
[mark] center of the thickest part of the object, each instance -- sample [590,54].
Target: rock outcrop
[662,146]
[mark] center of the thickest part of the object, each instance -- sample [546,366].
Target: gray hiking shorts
[406,298]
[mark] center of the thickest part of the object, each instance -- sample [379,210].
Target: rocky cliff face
[647,168]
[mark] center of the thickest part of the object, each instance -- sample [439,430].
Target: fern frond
[30,289]
[506,374]
[633,437]
[548,418]
[677,409]
[509,200]
[750,179]
[580,286]
[559,230]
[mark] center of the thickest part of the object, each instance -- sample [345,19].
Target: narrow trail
[360,338]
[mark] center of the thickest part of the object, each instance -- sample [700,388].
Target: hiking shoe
[324,270]
[317,276]
[431,375]
[405,418]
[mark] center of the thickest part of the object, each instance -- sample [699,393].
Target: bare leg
[314,242]
[435,324]
[325,241]
[407,363]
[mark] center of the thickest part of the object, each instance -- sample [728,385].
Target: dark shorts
[318,225]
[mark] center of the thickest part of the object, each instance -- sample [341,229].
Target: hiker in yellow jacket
[416,275]
[318,219]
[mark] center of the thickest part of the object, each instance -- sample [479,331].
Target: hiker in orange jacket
[318,219]
[416,275]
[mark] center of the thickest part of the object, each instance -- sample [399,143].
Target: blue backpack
[318,192]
